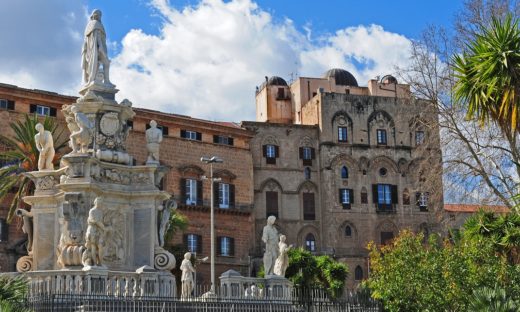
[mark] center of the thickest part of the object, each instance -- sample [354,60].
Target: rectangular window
[419,137]
[381,137]
[281,94]
[385,197]
[270,153]
[226,246]
[384,194]
[223,190]
[191,192]
[346,197]
[220,139]
[271,204]
[422,200]
[43,110]
[6,104]
[308,207]
[307,155]
[192,242]
[386,237]
[191,135]
[364,197]
[342,134]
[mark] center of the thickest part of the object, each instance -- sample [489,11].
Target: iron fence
[85,303]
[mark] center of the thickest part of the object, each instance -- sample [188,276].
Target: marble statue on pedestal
[270,238]
[81,138]
[282,262]
[153,140]
[94,52]
[187,276]
[45,145]
[93,254]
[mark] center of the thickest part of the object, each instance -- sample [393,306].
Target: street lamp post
[211,161]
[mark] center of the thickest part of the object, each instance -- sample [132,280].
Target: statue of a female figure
[45,145]
[187,276]
[282,262]
[94,51]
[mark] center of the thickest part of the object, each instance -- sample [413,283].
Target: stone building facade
[342,165]
[185,141]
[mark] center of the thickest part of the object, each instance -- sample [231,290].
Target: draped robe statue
[94,51]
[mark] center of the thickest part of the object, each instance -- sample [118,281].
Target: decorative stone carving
[121,177]
[187,276]
[282,262]
[270,238]
[163,260]
[94,236]
[45,145]
[94,52]
[24,264]
[27,227]
[82,136]
[45,183]
[113,236]
[164,222]
[71,221]
[153,140]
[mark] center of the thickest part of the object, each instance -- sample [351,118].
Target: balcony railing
[385,208]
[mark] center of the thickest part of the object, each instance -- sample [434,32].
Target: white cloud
[208,59]
[205,62]
[40,44]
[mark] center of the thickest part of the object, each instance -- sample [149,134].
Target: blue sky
[205,58]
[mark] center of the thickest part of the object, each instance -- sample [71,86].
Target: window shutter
[232,246]
[147,126]
[52,112]
[183,190]
[232,195]
[164,130]
[199,193]
[276,151]
[199,136]
[417,198]
[183,133]
[231,141]
[374,193]
[395,194]
[301,152]
[216,194]
[10,105]
[215,138]
[340,197]
[264,150]
[351,194]
[185,240]
[199,244]
[33,108]
[219,245]
[313,153]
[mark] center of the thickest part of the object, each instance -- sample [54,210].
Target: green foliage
[178,222]
[22,156]
[12,292]
[307,270]
[493,299]
[410,275]
[488,74]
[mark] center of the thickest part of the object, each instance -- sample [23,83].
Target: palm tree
[488,74]
[493,299]
[12,294]
[22,156]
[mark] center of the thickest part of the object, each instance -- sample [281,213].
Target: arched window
[310,242]
[348,231]
[364,195]
[307,173]
[344,172]
[358,273]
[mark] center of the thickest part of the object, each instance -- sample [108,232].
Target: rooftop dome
[342,77]
[276,81]
[389,79]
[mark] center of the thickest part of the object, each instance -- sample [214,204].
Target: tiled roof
[474,208]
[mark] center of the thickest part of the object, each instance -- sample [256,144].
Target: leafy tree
[22,156]
[307,271]
[488,74]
